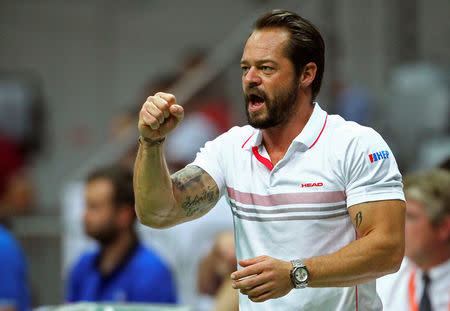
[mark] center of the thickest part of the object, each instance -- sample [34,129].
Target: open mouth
[255,102]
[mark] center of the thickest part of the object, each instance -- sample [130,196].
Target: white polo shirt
[298,208]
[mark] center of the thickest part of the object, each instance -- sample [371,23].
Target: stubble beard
[105,236]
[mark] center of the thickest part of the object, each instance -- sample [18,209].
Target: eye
[244,68]
[266,69]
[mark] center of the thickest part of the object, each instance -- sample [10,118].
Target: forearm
[207,279]
[153,187]
[363,260]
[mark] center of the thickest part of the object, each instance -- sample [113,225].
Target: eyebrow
[259,62]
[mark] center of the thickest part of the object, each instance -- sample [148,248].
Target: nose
[251,77]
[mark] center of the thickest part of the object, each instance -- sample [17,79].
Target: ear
[308,74]
[444,229]
[125,216]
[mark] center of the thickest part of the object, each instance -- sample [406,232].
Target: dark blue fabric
[14,288]
[141,277]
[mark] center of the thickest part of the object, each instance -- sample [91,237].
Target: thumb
[177,111]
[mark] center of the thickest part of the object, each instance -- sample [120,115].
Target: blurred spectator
[424,278]
[14,286]
[15,187]
[122,269]
[215,270]
[21,106]
[351,102]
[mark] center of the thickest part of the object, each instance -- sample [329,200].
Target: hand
[265,278]
[159,116]
[224,254]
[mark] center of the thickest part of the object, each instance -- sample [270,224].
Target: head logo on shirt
[374,157]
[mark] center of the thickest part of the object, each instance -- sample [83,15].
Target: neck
[113,253]
[278,139]
[439,258]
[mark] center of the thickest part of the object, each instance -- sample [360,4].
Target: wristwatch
[299,274]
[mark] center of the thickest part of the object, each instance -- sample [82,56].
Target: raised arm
[163,200]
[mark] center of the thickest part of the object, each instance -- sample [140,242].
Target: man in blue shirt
[122,269]
[14,290]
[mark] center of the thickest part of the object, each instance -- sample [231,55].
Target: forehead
[99,188]
[414,206]
[266,44]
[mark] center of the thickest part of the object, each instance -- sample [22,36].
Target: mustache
[254,92]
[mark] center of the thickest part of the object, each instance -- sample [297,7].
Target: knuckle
[157,113]
[147,105]
[165,105]
[170,97]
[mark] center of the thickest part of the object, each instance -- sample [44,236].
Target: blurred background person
[14,286]
[214,274]
[423,281]
[21,138]
[121,269]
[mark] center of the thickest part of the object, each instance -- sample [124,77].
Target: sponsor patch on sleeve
[377,156]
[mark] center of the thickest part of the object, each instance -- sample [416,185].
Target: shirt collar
[439,271]
[307,137]
[127,257]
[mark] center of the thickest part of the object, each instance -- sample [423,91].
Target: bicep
[385,217]
[195,192]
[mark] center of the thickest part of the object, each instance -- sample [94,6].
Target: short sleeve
[368,168]
[211,158]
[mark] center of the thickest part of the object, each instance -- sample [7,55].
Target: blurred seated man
[14,290]
[423,281]
[122,269]
[214,271]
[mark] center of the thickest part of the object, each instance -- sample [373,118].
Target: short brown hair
[305,43]
[432,190]
[121,179]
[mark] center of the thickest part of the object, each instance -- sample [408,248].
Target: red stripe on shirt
[247,140]
[261,159]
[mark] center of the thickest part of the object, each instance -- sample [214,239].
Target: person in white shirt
[317,201]
[423,282]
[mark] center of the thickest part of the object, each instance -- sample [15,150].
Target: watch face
[301,274]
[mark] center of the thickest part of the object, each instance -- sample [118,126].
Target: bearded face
[100,215]
[266,110]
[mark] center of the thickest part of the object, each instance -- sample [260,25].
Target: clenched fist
[159,116]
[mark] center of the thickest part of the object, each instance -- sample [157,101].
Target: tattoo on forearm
[200,195]
[358,219]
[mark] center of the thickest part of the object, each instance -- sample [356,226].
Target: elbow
[151,220]
[397,259]
[394,256]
